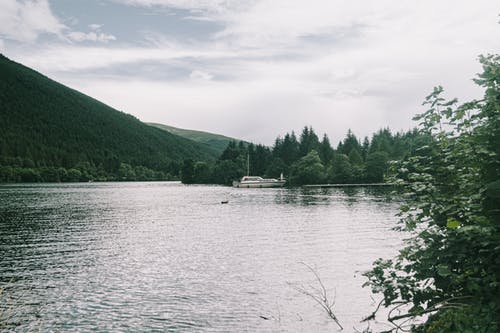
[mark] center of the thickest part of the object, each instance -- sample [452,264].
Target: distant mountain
[216,142]
[44,124]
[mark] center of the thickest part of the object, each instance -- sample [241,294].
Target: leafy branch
[446,275]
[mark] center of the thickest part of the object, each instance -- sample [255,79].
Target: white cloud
[57,58]
[256,111]
[95,26]
[287,23]
[200,75]
[330,64]
[195,5]
[96,35]
[93,36]
[24,21]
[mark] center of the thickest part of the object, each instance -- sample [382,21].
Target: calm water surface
[164,257]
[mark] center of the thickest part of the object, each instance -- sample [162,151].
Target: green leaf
[493,189]
[443,270]
[453,223]
[416,310]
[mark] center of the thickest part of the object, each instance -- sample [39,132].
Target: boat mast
[248,164]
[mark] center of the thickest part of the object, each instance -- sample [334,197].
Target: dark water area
[165,257]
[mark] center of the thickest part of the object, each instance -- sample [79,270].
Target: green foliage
[448,269]
[287,157]
[28,175]
[187,172]
[225,171]
[376,166]
[382,141]
[341,170]
[233,152]
[350,142]
[276,167]
[287,150]
[308,141]
[47,129]
[325,150]
[126,172]
[202,173]
[73,175]
[355,157]
[260,157]
[366,163]
[308,170]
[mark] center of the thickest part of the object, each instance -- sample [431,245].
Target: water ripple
[164,257]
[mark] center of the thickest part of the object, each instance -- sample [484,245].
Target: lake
[165,257]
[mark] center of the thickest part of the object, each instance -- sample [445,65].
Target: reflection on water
[143,257]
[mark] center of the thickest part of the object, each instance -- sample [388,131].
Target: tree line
[307,159]
[19,170]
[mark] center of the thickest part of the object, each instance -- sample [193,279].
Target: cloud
[24,21]
[194,5]
[93,36]
[256,111]
[283,23]
[95,26]
[96,35]
[200,75]
[198,10]
[74,58]
[273,66]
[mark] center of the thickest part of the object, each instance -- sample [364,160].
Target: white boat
[258,182]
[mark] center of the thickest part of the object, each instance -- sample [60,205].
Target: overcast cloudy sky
[257,68]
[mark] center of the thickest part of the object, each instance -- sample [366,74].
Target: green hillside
[216,142]
[45,125]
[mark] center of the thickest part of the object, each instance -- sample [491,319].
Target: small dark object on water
[265,318]
[224,202]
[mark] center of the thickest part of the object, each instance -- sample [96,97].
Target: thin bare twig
[319,295]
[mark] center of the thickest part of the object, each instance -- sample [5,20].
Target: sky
[256,69]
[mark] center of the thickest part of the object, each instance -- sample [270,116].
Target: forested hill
[48,130]
[215,142]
